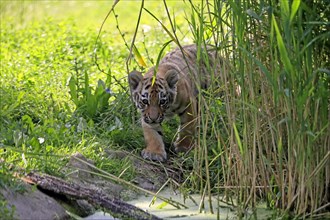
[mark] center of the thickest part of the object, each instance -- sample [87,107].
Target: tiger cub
[170,89]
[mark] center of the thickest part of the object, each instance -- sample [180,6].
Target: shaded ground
[52,203]
[32,204]
[37,203]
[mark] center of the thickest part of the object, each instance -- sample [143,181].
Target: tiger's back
[193,74]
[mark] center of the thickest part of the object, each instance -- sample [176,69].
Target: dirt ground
[37,203]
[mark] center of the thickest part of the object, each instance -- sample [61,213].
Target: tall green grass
[274,141]
[267,137]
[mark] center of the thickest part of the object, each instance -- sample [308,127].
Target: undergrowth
[40,125]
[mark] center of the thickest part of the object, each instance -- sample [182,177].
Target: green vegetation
[63,89]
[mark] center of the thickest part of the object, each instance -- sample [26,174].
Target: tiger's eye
[145,101]
[162,101]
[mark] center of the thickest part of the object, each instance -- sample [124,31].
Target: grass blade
[138,57]
[294,8]
[281,46]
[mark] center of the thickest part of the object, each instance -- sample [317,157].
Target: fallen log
[95,197]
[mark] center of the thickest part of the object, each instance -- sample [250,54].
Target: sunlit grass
[43,44]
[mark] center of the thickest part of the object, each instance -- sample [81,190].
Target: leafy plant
[87,102]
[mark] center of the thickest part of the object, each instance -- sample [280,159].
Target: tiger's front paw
[156,156]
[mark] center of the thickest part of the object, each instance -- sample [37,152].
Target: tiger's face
[153,97]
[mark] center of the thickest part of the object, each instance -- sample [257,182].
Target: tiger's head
[153,95]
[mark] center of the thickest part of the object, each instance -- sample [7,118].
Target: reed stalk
[264,124]
[274,132]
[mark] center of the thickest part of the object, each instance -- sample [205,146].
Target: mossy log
[95,197]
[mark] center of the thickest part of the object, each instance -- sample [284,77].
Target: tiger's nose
[151,120]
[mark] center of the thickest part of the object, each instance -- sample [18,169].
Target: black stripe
[160,133]
[181,113]
[159,85]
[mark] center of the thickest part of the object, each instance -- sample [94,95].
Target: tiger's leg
[155,148]
[188,120]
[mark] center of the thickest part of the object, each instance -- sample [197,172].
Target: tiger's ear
[171,77]
[134,78]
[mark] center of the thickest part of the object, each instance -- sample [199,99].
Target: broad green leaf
[100,89]
[103,101]
[283,52]
[100,82]
[102,97]
[284,8]
[294,8]
[73,91]
[238,139]
[86,81]
[91,105]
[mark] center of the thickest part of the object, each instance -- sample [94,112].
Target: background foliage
[266,138]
